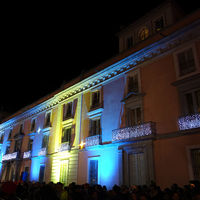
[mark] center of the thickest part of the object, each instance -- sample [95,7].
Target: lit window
[48,120]
[45,141]
[67,111]
[66,134]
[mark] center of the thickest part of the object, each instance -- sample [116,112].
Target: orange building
[132,120]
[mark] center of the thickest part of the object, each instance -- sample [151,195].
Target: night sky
[45,45]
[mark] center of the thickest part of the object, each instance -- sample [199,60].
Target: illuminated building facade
[132,120]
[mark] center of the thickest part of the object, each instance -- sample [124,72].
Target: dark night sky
[44,45]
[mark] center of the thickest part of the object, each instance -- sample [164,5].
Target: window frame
[176,63]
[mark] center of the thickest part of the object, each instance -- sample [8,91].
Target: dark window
[17,145]
[129,42]
[133,84]
[195,158]
[30,144]
[7,149]
[186,62]
[93,172]
[48,120]
[67,111]
[1,138]
[193,102]
[159,24]
[95,127]
[95,99]
[10,134]
[33,125]
[21,128]
[66,135]
[134,116]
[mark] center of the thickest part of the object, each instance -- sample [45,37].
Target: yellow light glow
[82,144]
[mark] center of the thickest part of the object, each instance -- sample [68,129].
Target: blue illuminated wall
[113,108]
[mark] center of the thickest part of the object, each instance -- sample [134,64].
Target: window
[63,171]
[41,175]
[30,144]
[47,120]
[67,111]
[134,116]
[95,99]
[195,159]
[10,134]
[192,102]
[33,125]
[17,145]
[129,42]
[66,134]
[159,24]
[1,138]
[95,127]
[143,33]
[93,172]
[7,149]
[133,84]
[186,62]
[45,141]
[21,128]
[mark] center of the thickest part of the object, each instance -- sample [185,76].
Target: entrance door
[41,175]
[137,169]
[63,171]
[93,172]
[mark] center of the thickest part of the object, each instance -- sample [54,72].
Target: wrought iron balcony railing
[127,133]
[189,122]
[93,140]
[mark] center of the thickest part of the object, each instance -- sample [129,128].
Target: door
[64,171]
[137,169]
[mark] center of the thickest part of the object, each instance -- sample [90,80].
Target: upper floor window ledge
[189,122]
[95,113]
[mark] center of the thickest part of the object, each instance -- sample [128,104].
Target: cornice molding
[132,61]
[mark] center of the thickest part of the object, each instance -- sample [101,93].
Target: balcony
[128,133]
[10,156]
[64,147]
[27,154]
[93,140]
[189,122]
[42,152]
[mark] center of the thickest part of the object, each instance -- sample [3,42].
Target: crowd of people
[52,191]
